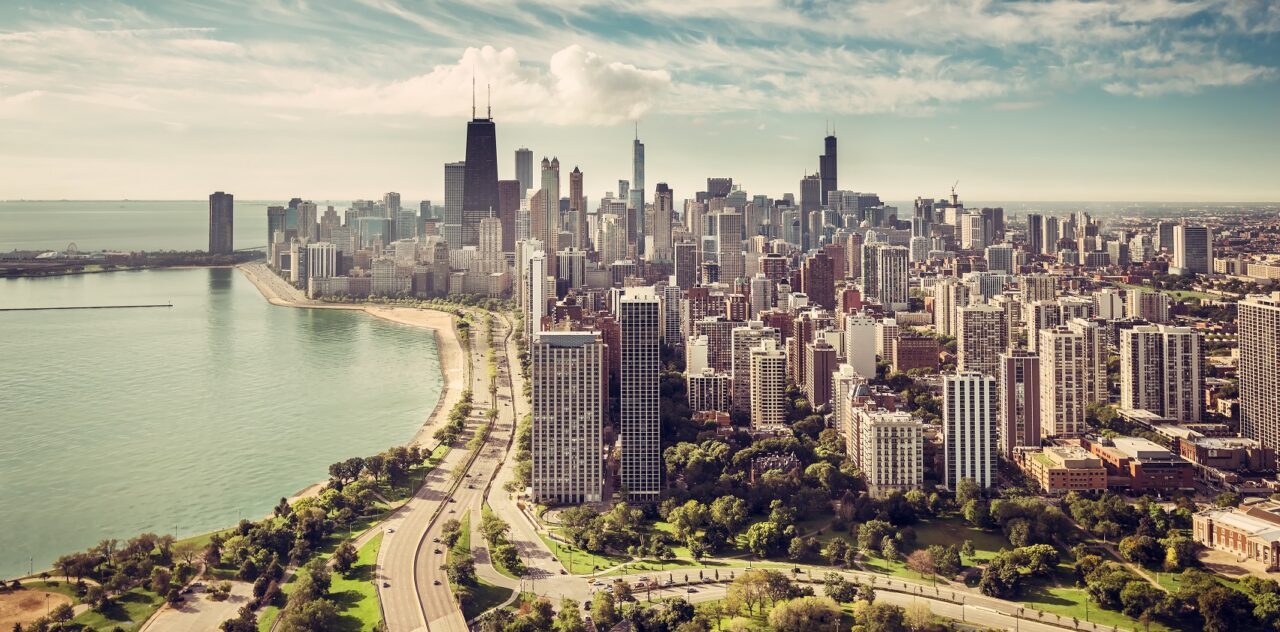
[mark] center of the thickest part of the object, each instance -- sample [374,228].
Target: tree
[919,616]
[839,588]
[62,613]
[160,579]
[946,559]
[883,617]
[1227,499]
[871,534]
[835,550]
[764,538]
[318,615]
[569,619]
[729,512]
[603,609]
[889,549]
[493,528]
[1139,597]
[1180,553]
[1141,549]
[450,531]
[804,548]
[921,561]
[966,549]
[967,489]
[345,557]
[461,570]
[804,614]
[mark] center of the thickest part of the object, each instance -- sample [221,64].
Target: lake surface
[184,419]
[128,224]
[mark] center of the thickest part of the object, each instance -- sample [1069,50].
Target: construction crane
[955,199]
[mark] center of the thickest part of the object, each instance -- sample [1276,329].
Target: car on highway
[691,590]
[436,540]
[386,584]
[435,582]
[437,551]
[391,530]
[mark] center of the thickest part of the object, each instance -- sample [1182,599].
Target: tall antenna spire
[488,102]
[473,93]
[637,129]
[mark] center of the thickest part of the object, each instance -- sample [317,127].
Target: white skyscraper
[1160,371]
[567,378]
[454,179]
[969,422]
[743,340]
[768,377]
[1192,250]
[860,343]
[1259,335]
[640,424]
[1065,374]
[949,295]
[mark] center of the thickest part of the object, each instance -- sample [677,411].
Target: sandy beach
[279,292]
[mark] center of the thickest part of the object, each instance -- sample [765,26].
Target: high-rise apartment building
[969,418]
[742,340]
[221,223]
[1065,376]
[455,177]
[1259,336]
[1192,250]
[1147,305]
[1000,258]
[640,426]
[982,337]
[568,393]
[1161,371]
[891,450]
[1019,400]
[820,363]
[949,295]
[524,170]
[768,379]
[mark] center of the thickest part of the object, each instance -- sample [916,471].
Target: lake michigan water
[183,419]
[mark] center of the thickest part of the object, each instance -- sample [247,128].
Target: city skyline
[1053,101]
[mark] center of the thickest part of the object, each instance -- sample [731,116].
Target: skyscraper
[1035,233]
[578,209]
[1019,400]
[524,170]
[827,167]
[480,179]
[568,380]
[1259,335]
[508,205]
[768,377]
[454,178]
[1160,371]
[820,363]
[549,213]
[663,207]
[1192,250]
[638,393]
[969,428]
[221,223]
[890,450]
[1064,381]
[982,337]
[275,222]
[810,203]
[637,191]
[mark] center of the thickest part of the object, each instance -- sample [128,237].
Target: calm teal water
[127,225]
[114,422]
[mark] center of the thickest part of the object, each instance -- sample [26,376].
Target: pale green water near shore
[114,422]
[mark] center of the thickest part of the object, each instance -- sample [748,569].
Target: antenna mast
[473,93]
[488,103]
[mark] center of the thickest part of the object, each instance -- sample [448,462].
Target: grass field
[131,610]
[355,594]
[577,561]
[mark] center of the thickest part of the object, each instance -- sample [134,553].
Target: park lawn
[355,595]
[132,609]
[487,596]
[1060,596]
[202,540]
[54,586]
[882,566]
[463,545]
[577,561]
[954,531]
[1172,582]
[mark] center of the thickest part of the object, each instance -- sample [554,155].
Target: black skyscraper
[480,177]
[827,167]
[221,223]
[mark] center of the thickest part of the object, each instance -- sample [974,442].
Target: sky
[1159,100]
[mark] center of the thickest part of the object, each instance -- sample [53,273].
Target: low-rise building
[914,352]
[1250,532]
[1140,465]
[1064,468]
